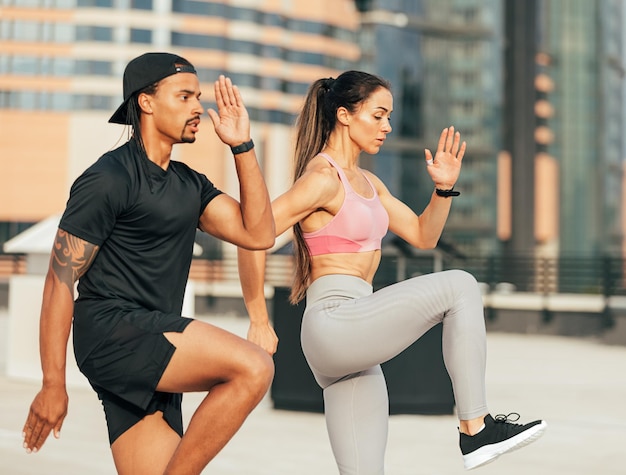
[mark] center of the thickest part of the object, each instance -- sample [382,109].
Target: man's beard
[187,139]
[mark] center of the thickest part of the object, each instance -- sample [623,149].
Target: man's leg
[237,375]
[146,448]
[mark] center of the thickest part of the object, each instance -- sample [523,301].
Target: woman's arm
[424,231]
[310,193]
[252,276]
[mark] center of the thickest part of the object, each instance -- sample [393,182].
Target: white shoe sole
[489,453]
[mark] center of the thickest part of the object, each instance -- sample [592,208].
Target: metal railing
[579,285]
[564,275]
[603,276]
[12,264]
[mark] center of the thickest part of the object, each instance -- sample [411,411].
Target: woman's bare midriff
[358,264]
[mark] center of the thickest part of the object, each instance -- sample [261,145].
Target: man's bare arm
[71,257]
[69,260]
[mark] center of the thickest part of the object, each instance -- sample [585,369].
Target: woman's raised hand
[444,168]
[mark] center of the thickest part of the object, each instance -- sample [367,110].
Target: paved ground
[578,386]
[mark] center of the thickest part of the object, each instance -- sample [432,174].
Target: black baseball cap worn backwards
[144,70]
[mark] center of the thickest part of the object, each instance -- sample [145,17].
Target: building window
[63,33]
[25,65]
[60,101]
[303,26]
[25,31]
[28,100]
[94,33]
[246,14]
[194,7]
[94,3]
[244,47]
[141,4]
[269,83]
[93,68]
[191,40]
[91,102]
[25,3]
[245,80]
[272,19]
[305,57]
[45,66]
[47,32]
[6,29]
[207,74]
[271,51]
[63,67]
[4,99]
[138,35]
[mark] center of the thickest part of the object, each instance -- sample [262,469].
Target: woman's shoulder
[319,183]
[320,170]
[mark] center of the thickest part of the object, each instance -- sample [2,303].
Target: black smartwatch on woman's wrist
[447,193]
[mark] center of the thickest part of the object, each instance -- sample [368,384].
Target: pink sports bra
[359,225]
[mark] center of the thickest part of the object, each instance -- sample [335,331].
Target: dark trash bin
[294,386]
[417,380]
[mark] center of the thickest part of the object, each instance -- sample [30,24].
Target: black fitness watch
[244,147]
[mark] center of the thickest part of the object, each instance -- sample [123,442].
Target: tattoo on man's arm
[71,257]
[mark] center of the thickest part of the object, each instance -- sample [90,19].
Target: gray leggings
[348,331]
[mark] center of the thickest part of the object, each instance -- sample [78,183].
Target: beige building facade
[61,66]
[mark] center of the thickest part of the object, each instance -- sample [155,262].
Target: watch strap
[447,193]
[242,148]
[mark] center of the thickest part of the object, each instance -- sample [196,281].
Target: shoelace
[506,419]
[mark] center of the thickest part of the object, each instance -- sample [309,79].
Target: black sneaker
[498,436]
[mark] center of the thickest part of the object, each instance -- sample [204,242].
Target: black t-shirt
[144,220]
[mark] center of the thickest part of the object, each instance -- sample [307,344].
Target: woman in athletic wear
[340,213]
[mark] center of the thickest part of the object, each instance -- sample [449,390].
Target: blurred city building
[536,87]
[444,59]
[61,66]
[565,108]
[581,121]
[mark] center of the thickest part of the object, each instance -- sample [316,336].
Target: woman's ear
[343,116]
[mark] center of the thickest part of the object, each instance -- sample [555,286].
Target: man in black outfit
[127,236]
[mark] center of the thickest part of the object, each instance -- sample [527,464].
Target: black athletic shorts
[126,365]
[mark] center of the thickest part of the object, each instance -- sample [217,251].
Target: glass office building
[582,46]
[449,73]
[453,71]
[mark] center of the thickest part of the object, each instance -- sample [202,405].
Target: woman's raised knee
[465,284]
[463,278]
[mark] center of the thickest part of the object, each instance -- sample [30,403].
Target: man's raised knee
[259,372]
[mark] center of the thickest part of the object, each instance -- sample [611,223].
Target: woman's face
[370,123]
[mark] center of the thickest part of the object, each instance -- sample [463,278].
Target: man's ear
[343,116]
[145,103]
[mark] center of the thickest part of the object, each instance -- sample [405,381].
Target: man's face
[176,108]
